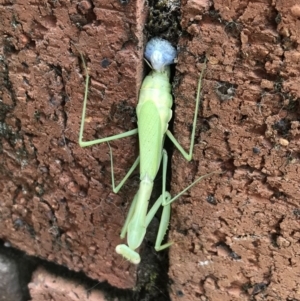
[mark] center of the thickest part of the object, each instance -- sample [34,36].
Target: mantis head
[160,53]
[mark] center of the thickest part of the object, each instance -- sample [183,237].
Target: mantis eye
[160,53]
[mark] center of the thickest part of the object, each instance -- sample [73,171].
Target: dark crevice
[164,20]
[152,282]
[153,279]
[7,132]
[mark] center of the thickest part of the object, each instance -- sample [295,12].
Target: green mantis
[153,113]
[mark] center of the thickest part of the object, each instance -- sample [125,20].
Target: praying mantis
[153,114]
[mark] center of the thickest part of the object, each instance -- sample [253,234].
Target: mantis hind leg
[165,200]
[165,197]
[129,216]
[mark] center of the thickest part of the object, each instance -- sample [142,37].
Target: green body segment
[154,113]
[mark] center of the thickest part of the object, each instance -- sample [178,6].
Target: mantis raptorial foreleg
[154,113]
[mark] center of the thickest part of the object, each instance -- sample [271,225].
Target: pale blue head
[160,53]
